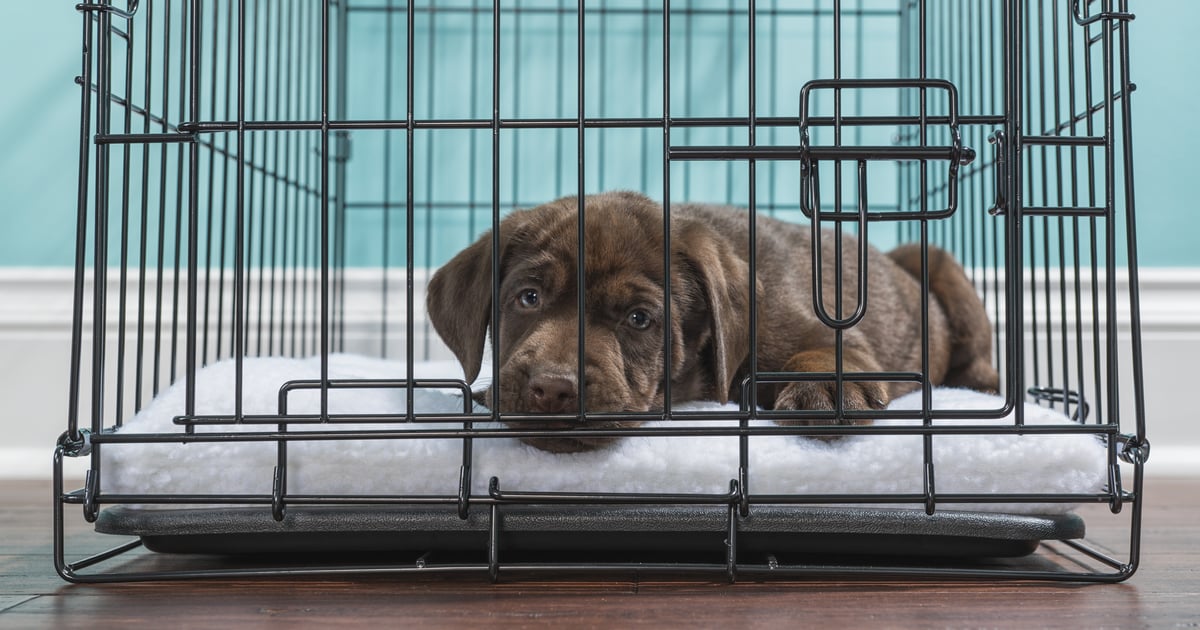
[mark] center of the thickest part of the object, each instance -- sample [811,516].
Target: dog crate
[262,179]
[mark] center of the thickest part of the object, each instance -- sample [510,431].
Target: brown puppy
[709,312]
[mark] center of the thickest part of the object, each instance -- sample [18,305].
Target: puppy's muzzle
[553,393]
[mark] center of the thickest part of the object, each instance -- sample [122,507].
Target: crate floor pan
[622,532]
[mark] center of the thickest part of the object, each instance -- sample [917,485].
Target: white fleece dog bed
[1071,464]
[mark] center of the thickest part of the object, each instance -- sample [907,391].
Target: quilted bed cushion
[1003,464]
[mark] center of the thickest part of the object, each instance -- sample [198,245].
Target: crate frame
[88,430]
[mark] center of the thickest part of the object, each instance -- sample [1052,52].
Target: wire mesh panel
[281,179]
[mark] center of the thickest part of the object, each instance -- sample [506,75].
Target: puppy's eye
[639,319]
[529,298]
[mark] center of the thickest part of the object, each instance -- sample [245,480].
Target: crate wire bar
[242,163]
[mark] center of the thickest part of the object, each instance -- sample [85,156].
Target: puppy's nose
[552,393]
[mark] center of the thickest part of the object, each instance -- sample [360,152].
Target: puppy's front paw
[822,395]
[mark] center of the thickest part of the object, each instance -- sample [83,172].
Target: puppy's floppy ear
[459,296]
[459,299]
[725,283]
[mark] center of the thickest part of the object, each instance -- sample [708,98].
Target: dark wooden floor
[1164,593]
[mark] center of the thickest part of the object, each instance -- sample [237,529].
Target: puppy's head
[624,316]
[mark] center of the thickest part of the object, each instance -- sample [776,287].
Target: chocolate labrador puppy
[709,313]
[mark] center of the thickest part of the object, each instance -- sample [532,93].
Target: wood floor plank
[747,605]
[1164,593]
[9,601]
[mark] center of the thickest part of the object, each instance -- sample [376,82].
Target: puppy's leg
[856,395]
[970,361]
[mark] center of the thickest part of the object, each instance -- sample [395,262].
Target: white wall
[35,343]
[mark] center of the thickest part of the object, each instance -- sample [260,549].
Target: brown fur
[710,291]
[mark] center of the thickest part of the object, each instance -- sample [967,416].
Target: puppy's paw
[822,395]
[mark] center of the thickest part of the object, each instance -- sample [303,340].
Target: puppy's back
[891,324]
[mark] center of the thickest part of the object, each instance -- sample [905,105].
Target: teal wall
[39,103]
[39,132]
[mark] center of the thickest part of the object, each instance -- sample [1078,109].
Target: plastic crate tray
[611,529]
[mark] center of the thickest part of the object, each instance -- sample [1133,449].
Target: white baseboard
[1173,461]
[35,340]
[37,463]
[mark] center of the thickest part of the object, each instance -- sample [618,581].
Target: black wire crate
[267,189]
